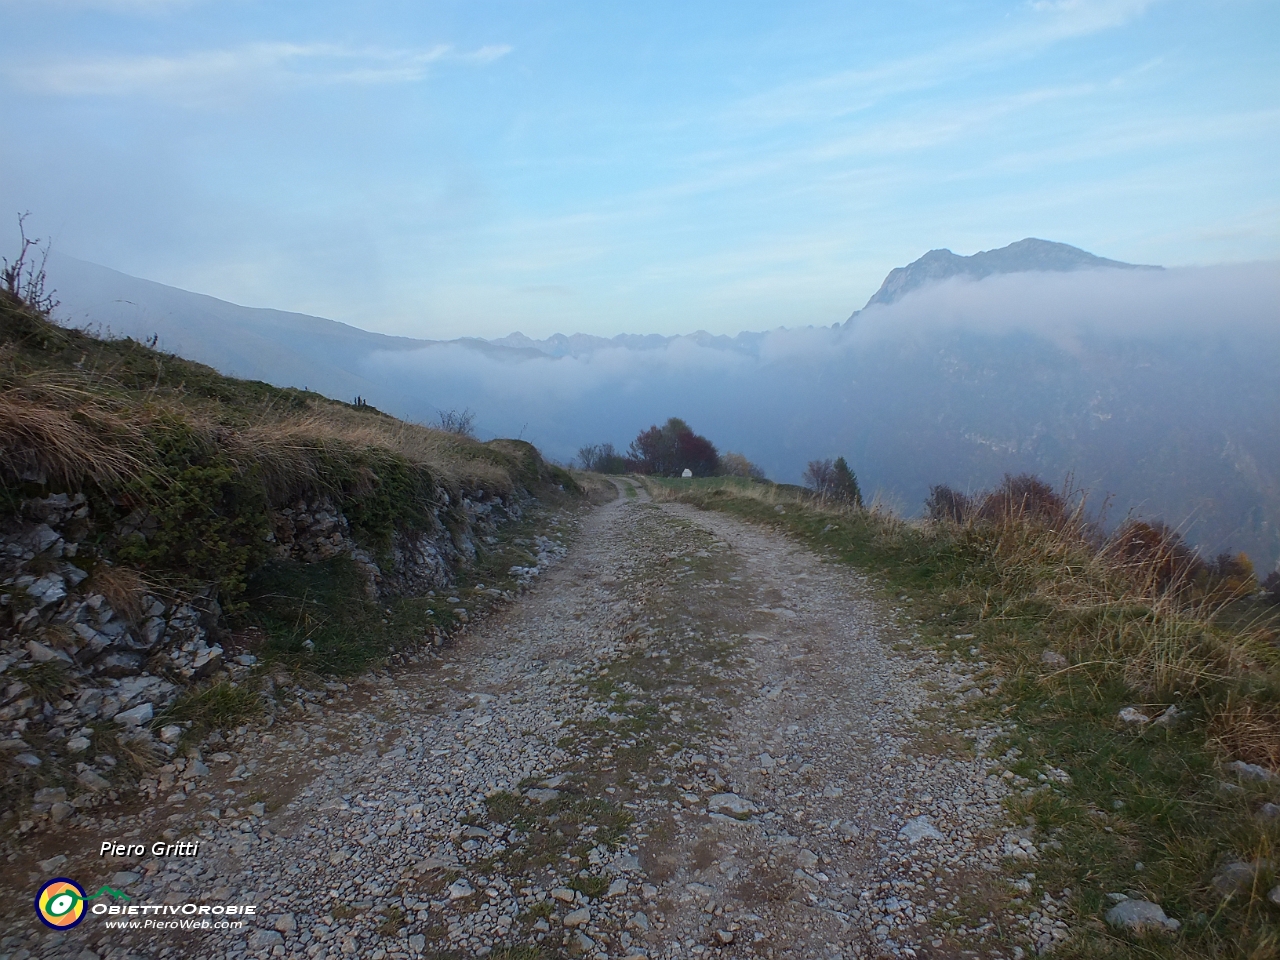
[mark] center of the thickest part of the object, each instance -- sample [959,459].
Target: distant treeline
[668,451]
[673,448]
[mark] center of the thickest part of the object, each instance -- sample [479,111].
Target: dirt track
[692,737]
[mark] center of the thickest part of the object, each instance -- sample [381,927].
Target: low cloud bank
[1240,299]
[1157,387]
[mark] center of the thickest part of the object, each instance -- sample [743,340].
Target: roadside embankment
[172,541]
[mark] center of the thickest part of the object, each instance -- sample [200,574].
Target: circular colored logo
[60,903]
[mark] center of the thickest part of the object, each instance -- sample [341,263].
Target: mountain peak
[1020,257]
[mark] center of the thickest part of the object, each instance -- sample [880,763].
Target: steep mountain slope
[275,346]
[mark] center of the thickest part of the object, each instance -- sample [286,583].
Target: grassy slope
[208,456]
[1146,813]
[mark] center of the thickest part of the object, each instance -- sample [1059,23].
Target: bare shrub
[1154,556]
[459,422]
[1024,497]
[817,475]
[947,504]
[833,481]
[1231,577]
[602,458]
[24,279]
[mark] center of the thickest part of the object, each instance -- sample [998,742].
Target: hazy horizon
[1156,386]
[424,171]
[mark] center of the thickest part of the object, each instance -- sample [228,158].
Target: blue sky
[472,168]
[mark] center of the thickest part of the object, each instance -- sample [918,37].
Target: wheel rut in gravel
[691,737]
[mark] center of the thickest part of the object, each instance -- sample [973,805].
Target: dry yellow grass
[123,589]
[74,425]
[284,445]
[65,434]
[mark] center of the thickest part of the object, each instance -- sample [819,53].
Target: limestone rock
[1251,771]
[919,828]
[731,805]
[1141,916]
[1132,716]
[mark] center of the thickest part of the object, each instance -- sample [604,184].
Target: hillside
[166,532]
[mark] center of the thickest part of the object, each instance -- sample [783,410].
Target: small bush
[947,504]
[1025,498]
[669,450]
[602,458]
[1155,555]
[736,465]
[214,707]
[833,481]
[47,681]
[200,519]
[24,279]
[593,886]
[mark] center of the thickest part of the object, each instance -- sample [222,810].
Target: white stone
[731,804]
[460,889]
[919,828]
[1131,715]
[1251,771]
[1140,916]
[136,716]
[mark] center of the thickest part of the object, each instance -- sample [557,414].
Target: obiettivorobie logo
[60,902]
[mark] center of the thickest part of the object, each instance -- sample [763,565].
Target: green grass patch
[214,707]
[503,806]
[594,887]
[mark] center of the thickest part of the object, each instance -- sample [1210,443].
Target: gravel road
[690,737]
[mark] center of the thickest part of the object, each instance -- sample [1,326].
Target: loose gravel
[690,737]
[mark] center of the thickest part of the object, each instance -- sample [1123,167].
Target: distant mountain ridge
[1023,256]
[1141,413]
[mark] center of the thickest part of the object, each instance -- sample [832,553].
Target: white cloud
[851,91]
[206,74]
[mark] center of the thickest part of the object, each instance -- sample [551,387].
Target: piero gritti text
[182,848]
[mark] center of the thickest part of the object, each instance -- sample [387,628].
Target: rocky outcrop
[82,644]
[417,561]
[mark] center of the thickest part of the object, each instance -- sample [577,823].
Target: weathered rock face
[416,562]
[314,531]
[126,665]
